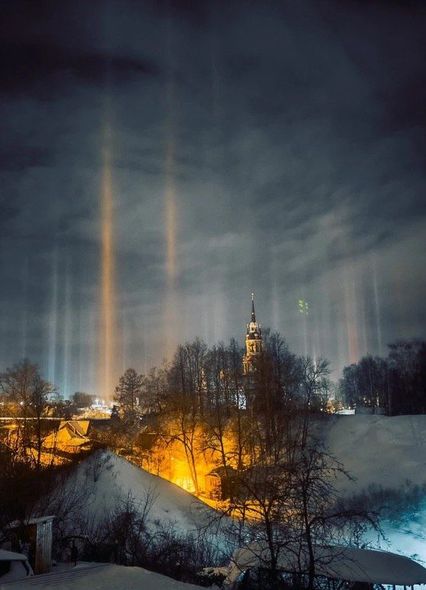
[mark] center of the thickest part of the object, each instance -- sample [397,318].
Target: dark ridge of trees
[128,394]
[396,383]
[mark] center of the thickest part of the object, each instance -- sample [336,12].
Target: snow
[380,450]
[11,556]
[339,563]
[19,566]
[100,577]
[388,452]
[407,536]
[106,482]
[374,449]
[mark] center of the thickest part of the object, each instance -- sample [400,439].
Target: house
[220,483]
[70,437]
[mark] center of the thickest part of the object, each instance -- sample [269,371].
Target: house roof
[80,427]
[339,563]
[222,471]
[71,433]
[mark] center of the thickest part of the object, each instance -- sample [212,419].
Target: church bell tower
[254,342]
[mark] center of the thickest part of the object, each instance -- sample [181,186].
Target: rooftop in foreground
[338,563]
[97,576]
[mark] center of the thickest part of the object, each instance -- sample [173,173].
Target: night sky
[275,147]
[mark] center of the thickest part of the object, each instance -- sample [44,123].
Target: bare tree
[181,425]
[185,403]
[293,507]
[23,385]
[155,390]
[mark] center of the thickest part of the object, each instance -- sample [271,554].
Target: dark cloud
[35,67]
[19,158]
[298,140]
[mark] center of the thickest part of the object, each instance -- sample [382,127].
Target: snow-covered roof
[11,556]
[30,521]
[81,427]
[100,577]
[367,565]
[71,433]
[340,563]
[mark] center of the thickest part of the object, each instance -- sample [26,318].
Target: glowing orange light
[108,319]
[170,222]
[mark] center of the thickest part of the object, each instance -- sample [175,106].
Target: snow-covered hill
[385,452]
[104,483]
[380,450]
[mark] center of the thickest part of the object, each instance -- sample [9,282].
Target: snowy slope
[105,482]
[379,450]
[373,449]
[388,452]
[408,537]
[101,577]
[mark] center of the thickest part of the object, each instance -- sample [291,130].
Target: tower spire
[253,313]
[254,343]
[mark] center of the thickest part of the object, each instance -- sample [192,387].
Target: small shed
[220,483]
[34,536]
